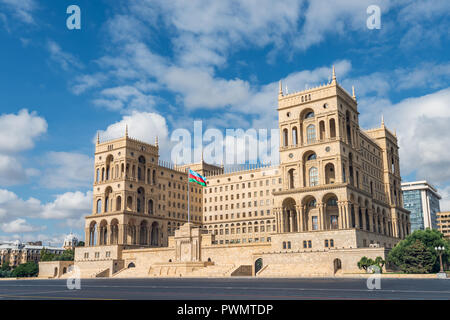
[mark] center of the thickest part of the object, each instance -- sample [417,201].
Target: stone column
[277,219]
[321,217]
[108,235]
[98,235]
[348,214]
[363,222]
[357,222]
[370,213]
[87,237]
[299,218]
[122,234]
[291,221]
[138,234]
[341,220]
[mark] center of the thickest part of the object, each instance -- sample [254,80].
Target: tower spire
[156,141]
[334,74]
[382,120]
[126,130]
[98,137]
[353,92]
[280,91]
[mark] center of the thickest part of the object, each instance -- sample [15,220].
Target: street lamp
[440,250]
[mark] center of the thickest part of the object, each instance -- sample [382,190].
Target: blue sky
[159,65]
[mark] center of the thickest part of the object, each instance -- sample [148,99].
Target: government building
[334,197]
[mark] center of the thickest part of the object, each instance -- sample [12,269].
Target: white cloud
[20,226]
[422,125]
[327,17]
[144,126]
[68,208]
[67,170]
[128,97]
[445,202]
[18,131]
[22,9]
[11,171]
[70,205]
[83,83]
[65,60]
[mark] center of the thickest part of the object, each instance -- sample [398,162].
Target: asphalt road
[225,289]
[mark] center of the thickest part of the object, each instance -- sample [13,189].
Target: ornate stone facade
[334,197]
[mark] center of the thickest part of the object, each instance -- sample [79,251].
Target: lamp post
[440,250]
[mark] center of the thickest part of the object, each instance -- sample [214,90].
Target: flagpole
[189,198]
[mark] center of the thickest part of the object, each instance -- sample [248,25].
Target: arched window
[129,203]
[291,178]
[332,128]
[309,115]
[118,203]
[332,202]
[285,137]
[150,207]
[106,204]
[294,136]
[99,206]
[313,177]
[312,203]
[312,157]
[98,175]
[311,133]
[322,130]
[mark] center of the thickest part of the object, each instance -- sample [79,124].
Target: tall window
[311,133]
[294,136]
[315,226]
[313,177]
[99,206]
[334,222]
[285,137]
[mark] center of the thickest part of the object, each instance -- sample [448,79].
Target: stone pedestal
[187,243]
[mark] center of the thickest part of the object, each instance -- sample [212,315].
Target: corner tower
[334,173]
[124,192]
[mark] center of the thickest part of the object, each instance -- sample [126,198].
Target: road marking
[244,288]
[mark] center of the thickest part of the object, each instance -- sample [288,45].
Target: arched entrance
[337,265]
[258,265]
[289,217]
[131,265]
[155,234]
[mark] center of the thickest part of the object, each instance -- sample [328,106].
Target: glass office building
[422,200]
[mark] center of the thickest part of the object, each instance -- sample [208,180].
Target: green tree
[417,259]
[365,263]
[80,244]
[47,255]
[5,266]
[67,255]
[29,269]
[400,255]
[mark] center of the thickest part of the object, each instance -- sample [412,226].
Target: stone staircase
[87,273]
[131,273]
[242,271]
[212,271]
